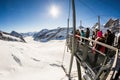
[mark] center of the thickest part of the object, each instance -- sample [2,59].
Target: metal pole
[119,25]
[99,22]
[80,22]
[79,70]
[73,40]
[67,38]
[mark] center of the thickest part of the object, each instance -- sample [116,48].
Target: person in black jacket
[87,34]
[109,38]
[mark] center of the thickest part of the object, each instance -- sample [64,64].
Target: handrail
[100,43]
[113,66]
[110,75]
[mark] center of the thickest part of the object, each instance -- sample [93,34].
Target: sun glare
[54,11]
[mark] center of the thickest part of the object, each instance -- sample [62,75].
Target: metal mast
[99,22]
[73,40]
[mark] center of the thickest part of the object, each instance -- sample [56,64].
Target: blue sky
[34,15]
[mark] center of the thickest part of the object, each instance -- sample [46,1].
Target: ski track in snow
[32,60]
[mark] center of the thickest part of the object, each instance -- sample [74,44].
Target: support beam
[73,40]
[79,70]
[99,22]
[67,33]
[80,22]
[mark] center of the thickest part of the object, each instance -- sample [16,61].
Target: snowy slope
[11,37]
[33,60]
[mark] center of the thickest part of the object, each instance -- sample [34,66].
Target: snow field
[33,60]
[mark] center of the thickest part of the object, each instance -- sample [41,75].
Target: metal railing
[98,65]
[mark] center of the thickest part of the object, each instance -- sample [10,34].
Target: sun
[54,11]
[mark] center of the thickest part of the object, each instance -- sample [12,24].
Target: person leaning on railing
[82,34]
[77,34]
[98,47]
[87,34]
[99,38]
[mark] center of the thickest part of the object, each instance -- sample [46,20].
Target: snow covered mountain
[28,34]
[14,36]
[54,34]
